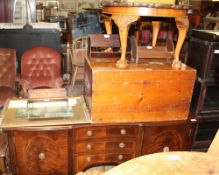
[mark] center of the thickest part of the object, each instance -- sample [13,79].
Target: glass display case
[43,112]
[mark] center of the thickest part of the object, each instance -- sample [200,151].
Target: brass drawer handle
[89,133]
[166,149]
[120,157]
[41,156]
[89,146]
[121,145]
[88,159]
[123,132]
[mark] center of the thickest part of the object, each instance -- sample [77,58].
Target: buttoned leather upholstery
[7,74]
[40,68]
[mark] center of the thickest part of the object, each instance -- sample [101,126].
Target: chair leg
[75,71]
[156,28]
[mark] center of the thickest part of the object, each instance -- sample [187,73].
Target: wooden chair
[40,68]
[77,52]
[8,88]
[7,74]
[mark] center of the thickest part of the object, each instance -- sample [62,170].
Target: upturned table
[124,14]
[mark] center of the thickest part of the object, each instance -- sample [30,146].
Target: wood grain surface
[151,91]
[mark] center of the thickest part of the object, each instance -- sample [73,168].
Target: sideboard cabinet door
[40,152]
[176,137]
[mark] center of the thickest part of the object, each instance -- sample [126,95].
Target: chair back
[77,52]
[79,49]
[7,67]
[41,67]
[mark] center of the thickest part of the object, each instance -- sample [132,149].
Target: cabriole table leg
[123,23]
[182,24]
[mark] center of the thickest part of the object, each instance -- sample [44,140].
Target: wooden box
[152,91]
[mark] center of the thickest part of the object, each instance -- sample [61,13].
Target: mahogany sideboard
[68,149]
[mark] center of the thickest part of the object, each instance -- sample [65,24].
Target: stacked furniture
[124,124]
[203,56]
[134,110]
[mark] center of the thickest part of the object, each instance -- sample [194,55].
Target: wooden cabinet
[203,55]
[49,151]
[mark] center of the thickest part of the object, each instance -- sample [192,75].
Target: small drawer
[89,133]
[118,158]
[121,146]
[122,131]
[89,147]
[84,161]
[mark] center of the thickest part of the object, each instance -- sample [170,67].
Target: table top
[169,163]
[146,9]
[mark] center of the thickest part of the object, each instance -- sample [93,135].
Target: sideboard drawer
[98,132]
[118,158]
[122,131]
[109,146]
[84,161]
[85,133]
[89,146]
[121,146]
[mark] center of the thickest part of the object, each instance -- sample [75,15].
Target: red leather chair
[7,74]
[40,68]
